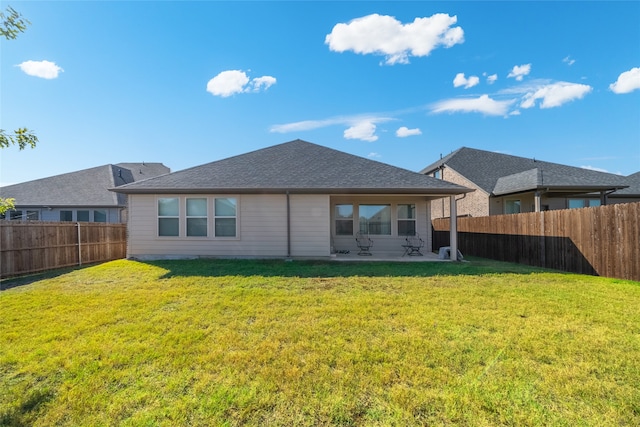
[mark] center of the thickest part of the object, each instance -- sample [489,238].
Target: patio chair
[364,243]
[412,245]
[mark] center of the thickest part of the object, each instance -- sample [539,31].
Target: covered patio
[391,223]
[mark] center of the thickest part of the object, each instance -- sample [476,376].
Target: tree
[13,24]
[22,137]
[6,205]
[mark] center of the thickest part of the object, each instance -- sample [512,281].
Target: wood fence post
[79,246]
[543,249]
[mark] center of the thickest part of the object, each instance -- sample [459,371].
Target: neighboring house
[295,199]
[78,196]
[629,194]
[507,184]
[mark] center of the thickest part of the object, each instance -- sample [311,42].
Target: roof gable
[294,166]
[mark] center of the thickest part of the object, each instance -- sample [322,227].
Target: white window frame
[368,230]
[158,216]
[106,216]
[188,217]
[15,214]
[519,203]
[211,217]
[216,217]
[29,214]
[400,219]
[337,219]
[65,220]
[88,215]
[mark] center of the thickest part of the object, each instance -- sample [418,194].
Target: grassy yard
[233,342]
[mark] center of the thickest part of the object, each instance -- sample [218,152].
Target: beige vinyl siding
[310,225]
[261,228]
[389,244]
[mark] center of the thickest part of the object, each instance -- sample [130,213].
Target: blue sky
[186,83]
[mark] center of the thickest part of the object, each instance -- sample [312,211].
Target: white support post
[538,201]
[453,230]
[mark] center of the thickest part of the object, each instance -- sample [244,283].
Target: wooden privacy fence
[602,240]
[30,247]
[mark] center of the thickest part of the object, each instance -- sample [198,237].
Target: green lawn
[236,342]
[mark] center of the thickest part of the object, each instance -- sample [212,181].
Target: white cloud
[263,82]
[361,126]
[555,94]
[364,130]
[483,104]
[374,155]
[567,60]
[461,80]
[519,71]
[385,35]
[42,69]
[593,168]
[404,131]
[230,82]
[523,88]
[305,125]
[492,79]
[627,81]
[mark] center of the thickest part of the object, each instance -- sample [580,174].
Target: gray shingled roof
[633,181]
[500,174]
[518,182]
[87,187]
[296,166]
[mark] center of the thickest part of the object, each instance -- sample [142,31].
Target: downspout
[288,226]
[604,196]
[457,200]
[442,178]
